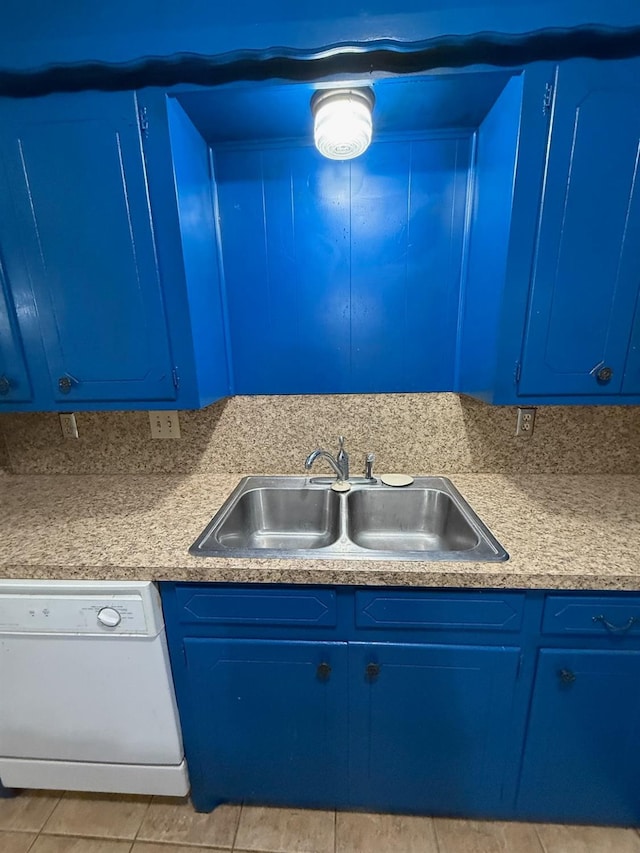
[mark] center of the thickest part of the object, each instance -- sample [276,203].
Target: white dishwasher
[86,694]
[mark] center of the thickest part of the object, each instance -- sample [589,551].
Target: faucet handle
[343,458]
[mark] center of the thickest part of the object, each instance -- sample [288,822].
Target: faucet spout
[323,454]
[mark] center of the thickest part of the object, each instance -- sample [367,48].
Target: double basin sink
[294,517]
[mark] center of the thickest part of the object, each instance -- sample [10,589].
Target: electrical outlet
[525,422]
[164,424]
[69,426]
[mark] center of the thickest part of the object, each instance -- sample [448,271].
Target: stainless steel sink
[276,519]
[293,517]
[413,520]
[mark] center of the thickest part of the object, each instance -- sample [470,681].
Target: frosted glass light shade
[342,125]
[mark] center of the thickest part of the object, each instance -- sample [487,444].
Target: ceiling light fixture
[342,124]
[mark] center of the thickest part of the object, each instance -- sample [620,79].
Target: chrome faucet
[340,463]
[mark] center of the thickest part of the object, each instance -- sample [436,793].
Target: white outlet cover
[525,421]
[164,424]
[68,425]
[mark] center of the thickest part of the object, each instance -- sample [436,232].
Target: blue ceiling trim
[492,49]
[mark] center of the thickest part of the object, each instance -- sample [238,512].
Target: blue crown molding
[383,55]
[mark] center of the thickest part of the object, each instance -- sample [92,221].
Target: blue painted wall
[352,270]
[38,32]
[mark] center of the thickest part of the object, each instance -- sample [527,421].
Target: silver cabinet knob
[65,384]
[604,375]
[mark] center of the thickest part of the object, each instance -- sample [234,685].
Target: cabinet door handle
[372,671]
[5,385]
[566,676]
[616,629]
[65,384]
[604,375]
[324,671]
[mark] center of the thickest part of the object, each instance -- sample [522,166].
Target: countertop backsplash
[416,433]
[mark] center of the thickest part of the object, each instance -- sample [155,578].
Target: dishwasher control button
[109,617]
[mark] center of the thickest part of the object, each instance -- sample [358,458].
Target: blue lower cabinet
[268,722]
[430,726]
[583,743]
[441,720]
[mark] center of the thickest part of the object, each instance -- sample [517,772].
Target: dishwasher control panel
[100,615]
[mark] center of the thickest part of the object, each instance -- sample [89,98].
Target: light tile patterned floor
[40,822]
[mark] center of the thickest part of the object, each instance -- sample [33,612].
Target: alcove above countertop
[345,276]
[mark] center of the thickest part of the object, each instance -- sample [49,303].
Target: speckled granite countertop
[562,532]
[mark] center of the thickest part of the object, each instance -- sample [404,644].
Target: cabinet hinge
[143,121]
[547,99]
[516,373]
[176,378]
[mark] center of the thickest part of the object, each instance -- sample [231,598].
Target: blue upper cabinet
[78,210]
[78,240]
[554,262]
[586,270]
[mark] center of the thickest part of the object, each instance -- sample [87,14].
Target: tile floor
[41,822]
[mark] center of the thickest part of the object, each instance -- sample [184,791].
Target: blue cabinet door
[76,230]
[430,726]
[266,721]
[586,269]
[15,386]
[583,742]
